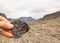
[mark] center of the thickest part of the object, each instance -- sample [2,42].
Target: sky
[26,8]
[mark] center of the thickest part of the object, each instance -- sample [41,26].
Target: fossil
[19,28]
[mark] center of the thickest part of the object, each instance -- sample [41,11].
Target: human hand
[5,27]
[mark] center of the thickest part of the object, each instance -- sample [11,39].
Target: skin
[5,27]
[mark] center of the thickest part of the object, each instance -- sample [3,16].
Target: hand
[5,27]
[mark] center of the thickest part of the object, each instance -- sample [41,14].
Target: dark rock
[19,28]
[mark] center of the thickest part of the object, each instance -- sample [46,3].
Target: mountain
[51,16]
[27,19]
[2,14]
[41,31]
[11,19]
[24,19]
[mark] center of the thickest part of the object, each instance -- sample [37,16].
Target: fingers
[8,30]
[6,33]
[4,19]
[5,25]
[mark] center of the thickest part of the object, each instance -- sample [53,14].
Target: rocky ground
[41,31]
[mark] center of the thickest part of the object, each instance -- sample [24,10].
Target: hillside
[41,31]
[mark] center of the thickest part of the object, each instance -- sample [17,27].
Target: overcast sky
[33,8]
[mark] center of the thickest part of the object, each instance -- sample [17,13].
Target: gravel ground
[47,31]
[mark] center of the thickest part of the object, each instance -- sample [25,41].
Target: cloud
[33,8]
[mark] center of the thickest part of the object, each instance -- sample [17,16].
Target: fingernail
[10,36]
[11,25]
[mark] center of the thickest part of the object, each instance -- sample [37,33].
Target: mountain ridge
[27,19]
[50,16]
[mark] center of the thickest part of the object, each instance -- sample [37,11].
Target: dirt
[47,31]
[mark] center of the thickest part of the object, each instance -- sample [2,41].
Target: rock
[19,28]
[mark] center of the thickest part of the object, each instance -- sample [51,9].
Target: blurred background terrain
[43,17]
[43,30]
